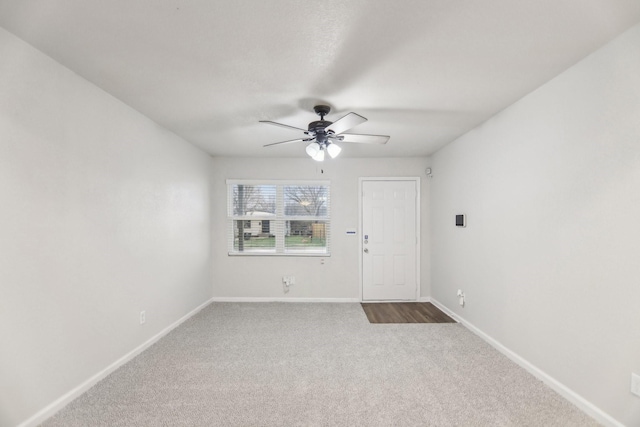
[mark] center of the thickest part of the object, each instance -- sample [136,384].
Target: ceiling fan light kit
[316,151]
[319,157]
[333,150]
[323,134]
[313,149]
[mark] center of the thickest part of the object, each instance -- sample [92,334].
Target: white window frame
[278,221]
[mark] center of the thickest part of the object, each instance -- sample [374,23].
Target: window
[278,218]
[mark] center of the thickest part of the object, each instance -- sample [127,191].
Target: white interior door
[389,240]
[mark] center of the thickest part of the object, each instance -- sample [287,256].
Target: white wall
[550,259]
[338,277]
[102,214]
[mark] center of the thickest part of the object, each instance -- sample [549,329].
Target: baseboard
[564,391]
[65,399]
[295,299]
[281,299]
[386,301]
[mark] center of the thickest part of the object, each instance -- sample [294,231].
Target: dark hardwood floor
[405,312]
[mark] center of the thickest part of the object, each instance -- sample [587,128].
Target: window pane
[306,200]
[254,200]
[249,236]
[306,236]
[277,218]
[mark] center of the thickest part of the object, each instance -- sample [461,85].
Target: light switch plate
[635,384]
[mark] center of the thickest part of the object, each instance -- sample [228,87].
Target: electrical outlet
[635,384]
[143,317]
[288,280]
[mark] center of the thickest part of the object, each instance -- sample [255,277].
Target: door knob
[366,251]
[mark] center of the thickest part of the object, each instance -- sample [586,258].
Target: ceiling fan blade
[363,139]
[282,125]
[288,142]
[345,123]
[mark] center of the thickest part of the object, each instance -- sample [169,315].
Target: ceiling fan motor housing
[318,126]
[317,129]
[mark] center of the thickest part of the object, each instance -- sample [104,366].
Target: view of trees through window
[279,218]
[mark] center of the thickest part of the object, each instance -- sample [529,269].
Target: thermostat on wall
[461,220]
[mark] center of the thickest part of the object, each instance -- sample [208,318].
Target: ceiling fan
[322,134]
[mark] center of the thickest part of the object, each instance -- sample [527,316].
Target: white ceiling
[422,71]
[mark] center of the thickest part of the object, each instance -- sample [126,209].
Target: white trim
[383,301]
[424,299]
[278,181]
[564,391]
[55,406]
[389,178]
[360,261]
[278,299]
[308,253]
[415,179]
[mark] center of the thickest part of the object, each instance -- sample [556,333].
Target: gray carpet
[291,364]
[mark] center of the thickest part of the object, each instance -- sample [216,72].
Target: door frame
[361,181]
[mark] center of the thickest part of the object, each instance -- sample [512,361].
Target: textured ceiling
[422,71]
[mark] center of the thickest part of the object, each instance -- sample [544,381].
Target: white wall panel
[337,276]
[103,214]
[548,261]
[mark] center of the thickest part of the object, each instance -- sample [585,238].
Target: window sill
[284,254]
